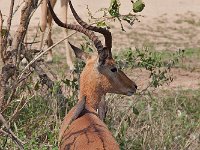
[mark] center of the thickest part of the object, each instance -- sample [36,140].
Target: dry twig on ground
[10,133]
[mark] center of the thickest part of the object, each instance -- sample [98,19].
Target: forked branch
[10,133]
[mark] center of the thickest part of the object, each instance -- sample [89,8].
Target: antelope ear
[103,55]
[79,53]
[79,107]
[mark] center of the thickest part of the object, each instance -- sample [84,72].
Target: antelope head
[100,75]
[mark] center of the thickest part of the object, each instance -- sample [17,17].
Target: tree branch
[1,40]
[10,67]
[7,72]
[8,25]
[21,31]
[11,134]
[41,54]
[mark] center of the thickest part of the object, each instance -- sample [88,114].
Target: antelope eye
[114,69]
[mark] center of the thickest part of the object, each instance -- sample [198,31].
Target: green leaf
[135,111]
[114,8]
[36,86]
[138,6]
[3,32]
[101,24]
[66,81]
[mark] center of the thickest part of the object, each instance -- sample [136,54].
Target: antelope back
[88,132]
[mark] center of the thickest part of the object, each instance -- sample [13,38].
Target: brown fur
[88,131]
[82,128]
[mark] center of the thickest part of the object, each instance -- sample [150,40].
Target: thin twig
[122,120]
[31,42]
[10,17]
[4,45]
[30,13]
[50,70]
[42,53]
[21,31]
[15,87]
[3,132]
[22,103]
[8,71]
[11,134]
[36,35]
[1,40]
[17,7]
[36,31]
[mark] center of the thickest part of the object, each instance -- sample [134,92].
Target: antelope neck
[92,98]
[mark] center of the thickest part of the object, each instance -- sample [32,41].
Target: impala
[82,128]
[45,19]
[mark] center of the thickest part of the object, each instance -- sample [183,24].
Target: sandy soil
[169,24]
[154,8]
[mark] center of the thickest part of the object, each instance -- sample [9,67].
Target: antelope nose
[132,89]
[135,86]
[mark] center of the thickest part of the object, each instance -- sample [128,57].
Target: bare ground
[166,25]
